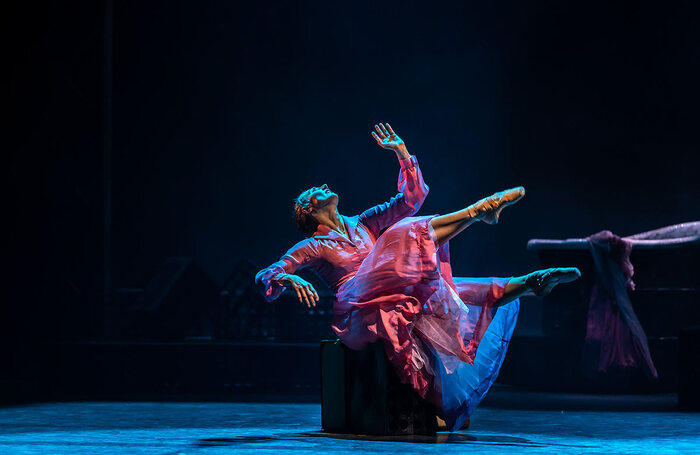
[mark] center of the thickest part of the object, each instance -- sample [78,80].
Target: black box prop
[361,394]
[689,369]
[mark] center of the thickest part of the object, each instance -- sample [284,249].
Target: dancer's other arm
[273,279]
[412,189]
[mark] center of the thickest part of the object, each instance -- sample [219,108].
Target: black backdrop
[148,129]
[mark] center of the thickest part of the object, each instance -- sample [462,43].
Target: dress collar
[324,232]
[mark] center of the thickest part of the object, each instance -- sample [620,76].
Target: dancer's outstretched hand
[305,290]
[386,137]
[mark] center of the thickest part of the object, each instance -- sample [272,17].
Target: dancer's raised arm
[412,188]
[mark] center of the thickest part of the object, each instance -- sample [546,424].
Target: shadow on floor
[439,438]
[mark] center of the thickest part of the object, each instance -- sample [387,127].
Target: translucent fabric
[614,335]
[403,293]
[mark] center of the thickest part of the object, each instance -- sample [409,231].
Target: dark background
[141,130]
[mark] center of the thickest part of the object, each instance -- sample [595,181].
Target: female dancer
[397,286]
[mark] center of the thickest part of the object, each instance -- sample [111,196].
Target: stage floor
[259,428]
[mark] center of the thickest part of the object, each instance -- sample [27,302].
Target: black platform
[361,394]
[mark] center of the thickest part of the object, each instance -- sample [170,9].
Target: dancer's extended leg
[487,210]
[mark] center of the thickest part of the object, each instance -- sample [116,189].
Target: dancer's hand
[305,290]
[386,138]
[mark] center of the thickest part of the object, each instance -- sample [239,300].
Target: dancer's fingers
[381,133]
[309,294]
[314,293]
[391,130]
[384,129]
[310,291]
[300,292]
[376,138]
[313,296]
[306,297]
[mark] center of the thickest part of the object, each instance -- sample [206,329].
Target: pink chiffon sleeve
[412,193]
[299,256]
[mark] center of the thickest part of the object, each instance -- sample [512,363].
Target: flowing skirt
[430,322]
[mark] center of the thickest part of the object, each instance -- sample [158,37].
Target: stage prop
[689,369]
[361,394]
[664,299]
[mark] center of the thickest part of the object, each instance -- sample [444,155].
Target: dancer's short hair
[306,223]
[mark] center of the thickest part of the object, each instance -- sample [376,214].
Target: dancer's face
[321,196]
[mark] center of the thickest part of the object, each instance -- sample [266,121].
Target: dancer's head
[310,204]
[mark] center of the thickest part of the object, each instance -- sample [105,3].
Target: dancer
[392,278]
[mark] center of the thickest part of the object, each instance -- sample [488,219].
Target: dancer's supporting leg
[540,282]
[487,210]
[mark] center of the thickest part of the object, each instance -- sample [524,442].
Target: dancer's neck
[331,218]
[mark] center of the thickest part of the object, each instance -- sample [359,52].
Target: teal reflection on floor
[268,428]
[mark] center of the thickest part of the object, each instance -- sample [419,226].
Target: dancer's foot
[489,209]
[442,426]
[543,281]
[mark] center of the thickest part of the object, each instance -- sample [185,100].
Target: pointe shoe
[543,281]
[489,209]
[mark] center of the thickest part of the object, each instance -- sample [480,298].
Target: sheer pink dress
[398,287]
